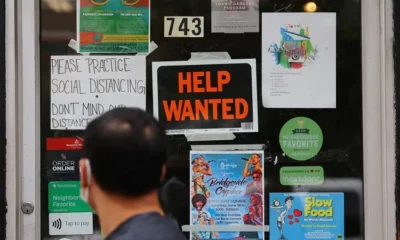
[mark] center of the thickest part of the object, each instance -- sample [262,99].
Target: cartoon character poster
[227,189]
[298,216]
[299,60]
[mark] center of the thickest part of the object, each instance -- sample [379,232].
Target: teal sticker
[296,176]
[301,138]
[64,197]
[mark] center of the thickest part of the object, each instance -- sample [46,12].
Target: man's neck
[114,210]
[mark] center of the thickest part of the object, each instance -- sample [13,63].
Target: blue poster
[298,216]
[227,189]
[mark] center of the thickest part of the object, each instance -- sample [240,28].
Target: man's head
[288,201]
[125,149]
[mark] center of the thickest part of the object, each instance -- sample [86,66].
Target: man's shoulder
[150,226]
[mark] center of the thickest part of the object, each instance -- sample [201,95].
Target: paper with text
[299,60]
[83,87]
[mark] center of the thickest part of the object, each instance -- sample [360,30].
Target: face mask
[85,191]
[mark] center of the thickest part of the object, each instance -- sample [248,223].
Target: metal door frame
[23,123]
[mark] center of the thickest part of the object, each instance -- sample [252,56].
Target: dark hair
[289,198]
[199,197]
[126,148]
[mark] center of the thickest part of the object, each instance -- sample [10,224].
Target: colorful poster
[235,16]
[299,60]
[210,96]
[107,26]
[302,216]
[227,188]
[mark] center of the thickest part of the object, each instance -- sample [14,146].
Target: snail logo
[99,2]
[130,2]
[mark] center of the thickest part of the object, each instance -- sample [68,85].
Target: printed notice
[70,223]
[107,26]
[227,188]
[84,87]
[299,60]
[306,216]
[235,16]
[216,96]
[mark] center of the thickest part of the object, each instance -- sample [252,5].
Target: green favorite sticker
[301,138]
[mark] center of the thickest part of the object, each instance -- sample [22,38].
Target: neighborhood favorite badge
[301,138]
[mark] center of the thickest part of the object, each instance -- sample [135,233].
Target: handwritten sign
[206,96]
[83,87]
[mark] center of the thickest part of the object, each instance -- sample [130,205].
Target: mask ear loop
[85,192]
[89,171]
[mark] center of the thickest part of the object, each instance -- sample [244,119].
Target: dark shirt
[149,226]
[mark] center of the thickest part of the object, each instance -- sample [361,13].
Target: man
[282,215]
[123,164]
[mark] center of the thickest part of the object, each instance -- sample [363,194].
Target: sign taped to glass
[206,96]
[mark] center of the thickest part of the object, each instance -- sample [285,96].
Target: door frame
[23,122]
[378,119]
[22,118]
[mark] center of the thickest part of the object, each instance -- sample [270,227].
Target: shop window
[341,153]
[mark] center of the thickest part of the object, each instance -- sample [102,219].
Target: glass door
[342,158]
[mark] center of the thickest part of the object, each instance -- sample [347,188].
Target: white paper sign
[70,223]
[83,87]
[299,60]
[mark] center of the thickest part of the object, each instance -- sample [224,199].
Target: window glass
[341,153]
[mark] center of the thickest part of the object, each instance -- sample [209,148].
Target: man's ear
[163,172]
[83,173]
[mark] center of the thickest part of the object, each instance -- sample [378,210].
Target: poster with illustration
[107,26]
[299,60]
[302,216]
[227,189]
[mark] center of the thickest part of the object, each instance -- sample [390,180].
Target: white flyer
[299,60]
[84,87]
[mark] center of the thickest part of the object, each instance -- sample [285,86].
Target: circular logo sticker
[301,138]
[99,2]
[130,2]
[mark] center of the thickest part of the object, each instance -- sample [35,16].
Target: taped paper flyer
[299,60]
[235,16]
[83,87]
